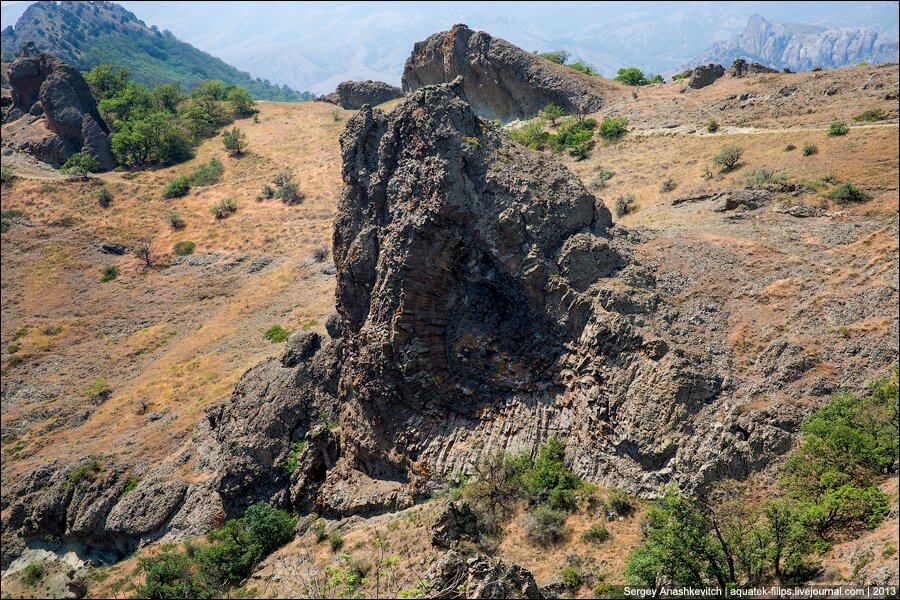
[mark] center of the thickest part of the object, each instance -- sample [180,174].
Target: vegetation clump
[810,149]
[224,209]
[838,128]
[634,76]
[729,157]
[178,187]
[277,334]
[625,205]
[183,248]
[847,193]
[207,173]
[80,164]
[613,128]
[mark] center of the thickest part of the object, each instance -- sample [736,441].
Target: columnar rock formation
[353,95]
[501,80]
[53,113]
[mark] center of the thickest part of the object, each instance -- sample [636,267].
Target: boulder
[704,75]
[456,576]
[353,95]
[501,81]
[455,523]
[64,116]
[741,68]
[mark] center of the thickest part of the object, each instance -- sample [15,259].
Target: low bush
[613,128]
[575,136]
[838,128]
[667,185]
[729,156]
[184,248]
[600,179]
[98,390]
[318,529]
[207,173]
[712,126]
[870,116]
[33,574]
[110,272]
[224,209]
[625,205]
[175,221]
[335,541]
[790,148]
[571,578]
[6,174]
[619,502]
[84,473]
[277,334]
[595,534]
[104,198]
[531,134]
[545,526]
[177,188]
[847,193]
[810,149]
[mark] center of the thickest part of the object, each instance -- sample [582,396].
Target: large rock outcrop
[53,113]
[704,75]
[501,80]
[486,302]
[353,95]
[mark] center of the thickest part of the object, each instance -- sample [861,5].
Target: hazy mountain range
[315,45]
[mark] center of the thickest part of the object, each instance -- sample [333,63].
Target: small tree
[631,76]
[80,164]
[729,156]
[552,112]
[145,253]
[241,102]
[557,56]
[234,140]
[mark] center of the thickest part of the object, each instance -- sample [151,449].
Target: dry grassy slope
[179,338]
[175,339]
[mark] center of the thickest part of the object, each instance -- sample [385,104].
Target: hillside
[792,307]
[87,34]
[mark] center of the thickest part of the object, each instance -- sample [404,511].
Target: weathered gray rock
[353,95]
[457,522]
[455,576]
[65,116]
[704,75]
[501,81]
[741,68]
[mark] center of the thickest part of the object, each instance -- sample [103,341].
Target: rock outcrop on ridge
[501,80]
[353,95]
[53,113]
[485,302]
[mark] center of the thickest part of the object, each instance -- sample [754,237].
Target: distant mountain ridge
[86,34]
[803,47]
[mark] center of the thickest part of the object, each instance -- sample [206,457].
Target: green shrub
[290,193]
[667,185]
[596,534]
[33,573]
[290,463]
[267,193]
[847,193]
[98,390]
[603,175]
[110,272]
[712,126]
[6,174]
[130,484]
[584,67]
[277,334]
[335,541]
[625,205]
[318,528]
[175,220]
[574,135]
[545,526]
[682,75]
[619,502]
[571,578]
[184,248]
[84,473]
[207,173]
[870,116]
[729,156]
[169,574]
[838,128]
[613,128]
[790,148]
[531,134]
[104,198]
[557,56]
[177,188]
[810,149]
[224,209]
[765,177]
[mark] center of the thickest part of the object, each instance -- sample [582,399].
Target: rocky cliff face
[353,95]
[502,81]
[53,113]
[802,47]
[485,302]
